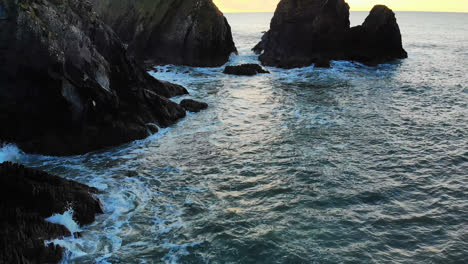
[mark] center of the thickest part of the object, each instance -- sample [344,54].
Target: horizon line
[419,11]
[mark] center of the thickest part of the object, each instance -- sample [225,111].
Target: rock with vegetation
[27,198]
[67,85]
[245,69]
[303,32]
[187,32]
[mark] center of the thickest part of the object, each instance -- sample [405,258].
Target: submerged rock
[188,32]
[245,69]
[27,197]
[67,85]
[304,32]
[193,106]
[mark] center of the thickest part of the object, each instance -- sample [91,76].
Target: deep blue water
[352,164]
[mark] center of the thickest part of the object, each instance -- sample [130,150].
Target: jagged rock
[67,85]
[27,197]
[302,32]
[245,69]
[193,106]
[187,32]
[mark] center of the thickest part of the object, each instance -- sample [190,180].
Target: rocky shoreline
[67,84]
[72,81]
[27,197]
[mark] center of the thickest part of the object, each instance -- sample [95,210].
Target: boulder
[303,32]
[245,69]
[67,85]
[193,106]
[184,32]
[27,197]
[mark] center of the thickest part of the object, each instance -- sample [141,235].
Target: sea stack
[378,40]
[67,85]
[182,32]
[303,32]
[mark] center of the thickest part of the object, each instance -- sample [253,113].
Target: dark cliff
[303,32]
[187,32]
[27,197]
[67,85]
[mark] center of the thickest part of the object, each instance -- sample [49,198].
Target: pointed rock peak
[302,32]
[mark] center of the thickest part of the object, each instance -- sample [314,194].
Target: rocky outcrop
[193,106]
[27,197]
[303,32]
[67,85]
[187,32]
[378,40]
[245,69]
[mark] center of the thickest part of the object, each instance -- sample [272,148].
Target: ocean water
[352,164]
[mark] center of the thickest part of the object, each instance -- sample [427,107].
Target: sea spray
[10,152]
[65,219]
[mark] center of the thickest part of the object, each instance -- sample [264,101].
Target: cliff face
[303,32]
[187,32]
[67,85]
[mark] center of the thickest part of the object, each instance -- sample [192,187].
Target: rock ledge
[27,197]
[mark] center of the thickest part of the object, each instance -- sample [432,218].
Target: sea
[352,164]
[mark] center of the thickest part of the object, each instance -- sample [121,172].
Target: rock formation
[193,106]
[27,197]
[245,69]
[67,85]
[303,32]
[187,32]
[378,40]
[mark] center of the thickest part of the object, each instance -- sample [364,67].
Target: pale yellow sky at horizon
[228,6]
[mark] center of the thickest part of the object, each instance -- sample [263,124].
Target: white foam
[10,152]
[65,219]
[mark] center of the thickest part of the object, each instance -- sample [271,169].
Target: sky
[356,5]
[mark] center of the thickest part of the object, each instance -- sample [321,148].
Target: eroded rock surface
[303,32]
[67,85]
[188,32]
[27,197]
